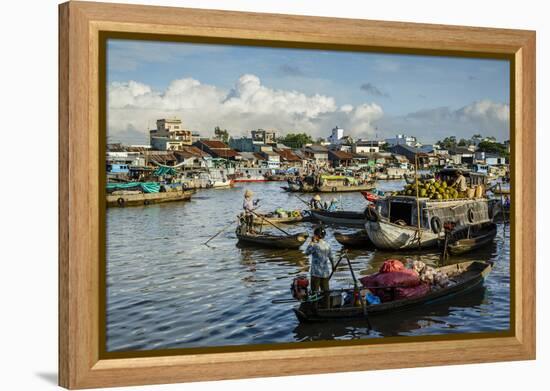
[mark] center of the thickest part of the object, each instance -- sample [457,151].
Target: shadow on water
[393,324]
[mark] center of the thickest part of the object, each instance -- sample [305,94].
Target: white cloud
[133,107]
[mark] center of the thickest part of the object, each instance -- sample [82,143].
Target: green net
[146,187]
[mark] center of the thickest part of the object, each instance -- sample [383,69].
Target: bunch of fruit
[433,189]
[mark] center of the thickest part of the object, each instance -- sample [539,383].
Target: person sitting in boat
[249,205]
[460,182]
[321,258]
[333,207]
[315,202]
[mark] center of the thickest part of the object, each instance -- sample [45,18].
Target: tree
[493,147]
[296,140]
[462,143]
[447,142]
[223,135]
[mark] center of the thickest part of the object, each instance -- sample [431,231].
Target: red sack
[369,281]
[391,265]
[412,292]
[403,278]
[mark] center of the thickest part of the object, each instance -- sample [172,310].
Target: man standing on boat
[321,258]
[315,202]
[249,206]
[460,182]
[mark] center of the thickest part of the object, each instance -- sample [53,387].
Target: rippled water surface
[165,289]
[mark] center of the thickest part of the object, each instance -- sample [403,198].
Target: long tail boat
[270,240]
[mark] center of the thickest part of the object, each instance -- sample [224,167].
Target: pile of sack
[428,274]
[280,212]
[396,282]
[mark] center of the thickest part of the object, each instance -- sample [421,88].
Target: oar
[267,221]
[305,202]
[361,298]
[223,229]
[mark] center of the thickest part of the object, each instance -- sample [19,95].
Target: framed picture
[248,195]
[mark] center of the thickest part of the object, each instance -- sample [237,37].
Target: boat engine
[298,288]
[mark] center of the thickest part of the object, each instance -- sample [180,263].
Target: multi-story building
[401,139]
[170,135]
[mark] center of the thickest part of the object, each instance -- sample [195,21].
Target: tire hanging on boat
[436,225]
[371,214]
[120,201]
[471,216]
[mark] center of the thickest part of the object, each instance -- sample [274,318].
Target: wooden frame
[80,199]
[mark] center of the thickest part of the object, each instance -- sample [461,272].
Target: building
[261,136]
[409,152]
[336,135]
[192,157]
[462,155]
[271,159]
[401,139]
[169,135]
[340,158]
[366,147]
[217,149]
[490,159]
[318,154]
[288,158]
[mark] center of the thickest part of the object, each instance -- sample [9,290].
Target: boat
[373,195]
[274,218]
[328,184]
[251,174]
[138,198]
[471,238]
[198,179]
[339,217]
[464,277]
[393,222]
[269,240]
[358,239]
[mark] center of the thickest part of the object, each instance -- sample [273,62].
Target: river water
[166,290]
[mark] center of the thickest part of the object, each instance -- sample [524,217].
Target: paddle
[305,202]
[223,229]
[267,221]
[361,298]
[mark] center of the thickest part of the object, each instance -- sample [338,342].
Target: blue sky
[240,88]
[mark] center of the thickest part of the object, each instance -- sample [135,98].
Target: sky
[241,88]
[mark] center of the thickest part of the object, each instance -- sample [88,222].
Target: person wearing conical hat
[249,205]
[333,205]
[315,202]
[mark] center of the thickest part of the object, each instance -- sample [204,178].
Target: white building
[401,139]
[336,134]
[170,135]
[366,147]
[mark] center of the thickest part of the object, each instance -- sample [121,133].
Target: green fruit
[423,193]
[439,196]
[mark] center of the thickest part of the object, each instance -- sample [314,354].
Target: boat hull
[272,241]
[358,239]
[468,275]
[123,200]
[388,236]
[339,217]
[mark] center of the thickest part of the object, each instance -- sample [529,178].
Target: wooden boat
[358,239]
[339,217]
[392,223]
[137,199]
[275,219]
[334,188]
[269,240]
[464,277]
[472,238]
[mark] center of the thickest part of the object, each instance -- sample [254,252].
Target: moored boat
[463,276]
[274,218]
[358,239]
[471,238]
[339,217]
[268,240]
[136,198]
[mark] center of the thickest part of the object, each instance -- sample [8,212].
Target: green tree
[223,135]
[296,140]
[493,147]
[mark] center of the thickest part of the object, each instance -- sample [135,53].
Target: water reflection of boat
[268,240]
[464,277]
[392,325]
